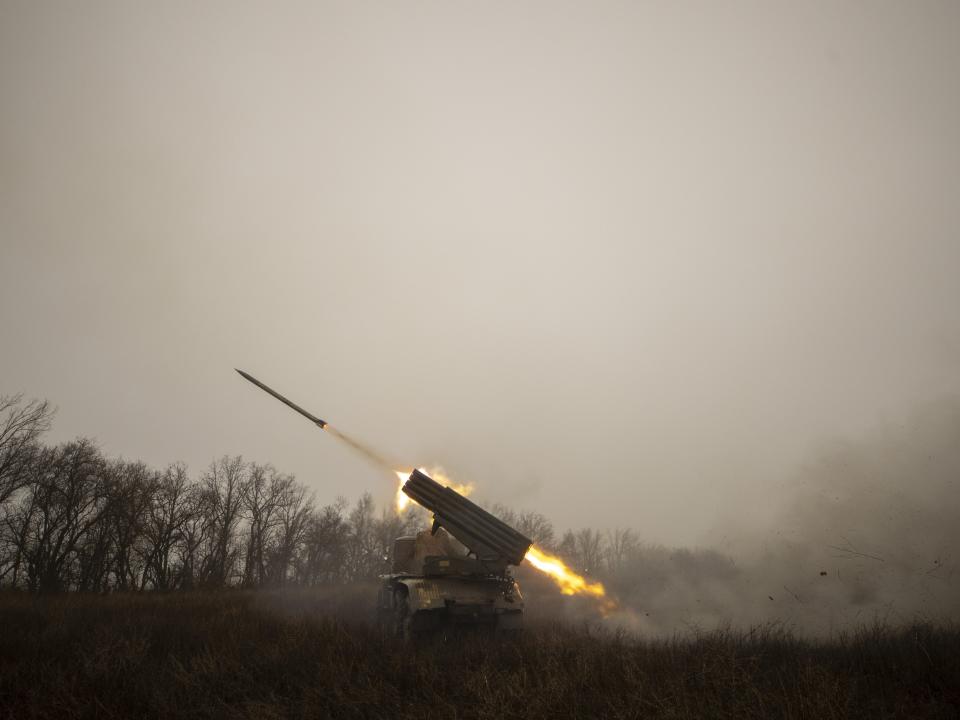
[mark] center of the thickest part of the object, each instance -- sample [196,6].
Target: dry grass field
[312,654]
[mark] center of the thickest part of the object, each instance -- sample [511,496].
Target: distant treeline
[73,519]
[872,537]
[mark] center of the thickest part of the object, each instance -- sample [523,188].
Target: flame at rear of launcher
[569,582]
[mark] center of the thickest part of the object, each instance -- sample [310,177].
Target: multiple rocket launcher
[494,543]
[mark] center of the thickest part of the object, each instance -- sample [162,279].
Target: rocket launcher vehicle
[429,575]
[494,543]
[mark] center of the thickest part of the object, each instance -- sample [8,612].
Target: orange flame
[403,502]
[568,581]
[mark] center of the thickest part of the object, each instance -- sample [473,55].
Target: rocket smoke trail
[362,449]
[371,455]
[569,582]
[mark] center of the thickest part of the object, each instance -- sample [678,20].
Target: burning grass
[312,654]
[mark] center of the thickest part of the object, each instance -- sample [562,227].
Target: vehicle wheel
[403,620]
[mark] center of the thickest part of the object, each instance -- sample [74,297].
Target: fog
[647,265]
[869,535]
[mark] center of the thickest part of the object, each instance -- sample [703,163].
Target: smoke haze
[627,264]
[868,534]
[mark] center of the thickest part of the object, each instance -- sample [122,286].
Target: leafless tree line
[73,519]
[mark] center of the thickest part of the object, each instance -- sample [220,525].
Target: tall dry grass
[313,654]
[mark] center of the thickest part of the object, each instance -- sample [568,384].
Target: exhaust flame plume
[568,581]
[403,502]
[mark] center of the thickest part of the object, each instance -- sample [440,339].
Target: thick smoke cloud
[870,533]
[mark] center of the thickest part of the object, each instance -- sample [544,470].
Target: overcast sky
[622,263]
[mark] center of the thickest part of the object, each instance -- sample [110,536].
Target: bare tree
[568,548]
[621,546]
[163,528]
[21,424]
[582,549]
[536,527]
[196,527]
[589,550]
[130,488]
[262,494]
[64,500]
[294,512]
[323,557]
[363,555]
[93,557]
[224,485]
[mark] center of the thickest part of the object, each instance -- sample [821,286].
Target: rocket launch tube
[487,536]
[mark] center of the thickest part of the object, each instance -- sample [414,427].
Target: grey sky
[660,250]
